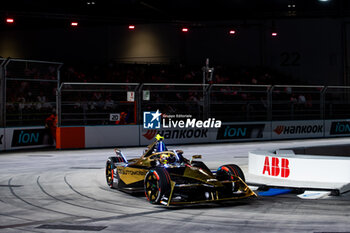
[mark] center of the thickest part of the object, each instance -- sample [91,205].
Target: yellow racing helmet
[164,158]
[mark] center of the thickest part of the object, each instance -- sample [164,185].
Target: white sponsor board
[297,129]
[111,136]
[130,96]
[29,137]
[2,139]
[146,95]
[288,169]
[114,117]
[337,128]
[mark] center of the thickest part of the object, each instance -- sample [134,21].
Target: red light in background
[10,20]
[232,32]
[184,29]
[74,24]
[274,34]
[131,27]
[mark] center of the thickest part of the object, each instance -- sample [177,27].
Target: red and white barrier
[284,168]
[97,136]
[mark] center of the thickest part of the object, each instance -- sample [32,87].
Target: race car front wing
[206,193]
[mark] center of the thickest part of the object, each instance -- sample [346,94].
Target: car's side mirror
[180,152]
[196,157]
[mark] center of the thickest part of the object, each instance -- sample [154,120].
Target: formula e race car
[168,178]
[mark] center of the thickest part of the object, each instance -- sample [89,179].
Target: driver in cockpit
[166,158]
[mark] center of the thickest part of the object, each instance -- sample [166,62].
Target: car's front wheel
[228,171]
[111,176]
[157,185]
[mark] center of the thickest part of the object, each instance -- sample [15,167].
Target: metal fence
[297,102]
[101,104]
[336,102]
[28,91]
[2,91]
[171,99]
[239,102]
[97,104]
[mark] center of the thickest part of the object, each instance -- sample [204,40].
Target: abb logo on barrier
[276,168]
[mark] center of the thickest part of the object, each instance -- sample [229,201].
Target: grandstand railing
[229,103]
[28,91]
[2,91]
[181,99]
[25,83]
[97,103]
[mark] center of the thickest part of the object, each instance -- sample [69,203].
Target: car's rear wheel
[111,176]
[228,171]
[157,184]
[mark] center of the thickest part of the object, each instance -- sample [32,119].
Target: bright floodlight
[185,29]
[10,20]
[232,32]
[131,27]
[74,24]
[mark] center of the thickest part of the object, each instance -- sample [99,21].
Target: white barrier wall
[308,168]
[111,136]
[136,135]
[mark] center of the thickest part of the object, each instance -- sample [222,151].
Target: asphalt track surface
[65,191]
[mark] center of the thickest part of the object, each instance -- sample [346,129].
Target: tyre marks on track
[34,205]
[70,203]
[34,223]
[91,198]
[142,206]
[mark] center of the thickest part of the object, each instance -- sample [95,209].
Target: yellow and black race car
[168,178]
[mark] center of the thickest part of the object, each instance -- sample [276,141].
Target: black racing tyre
[110,175]
[157,184]
[228,171]
[200,164]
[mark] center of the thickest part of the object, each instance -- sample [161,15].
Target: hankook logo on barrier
[177,133]
[298,129]
[275,169]
[340,127]
[241,131]
[29,137]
